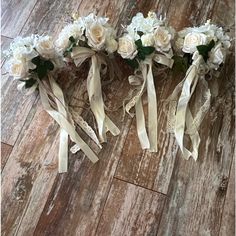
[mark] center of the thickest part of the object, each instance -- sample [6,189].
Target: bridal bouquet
[91,39]
[146,41]
[33,61]
[205,47]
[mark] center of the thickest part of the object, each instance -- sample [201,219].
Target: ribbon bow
[146,82]
[183,116]
[104,123]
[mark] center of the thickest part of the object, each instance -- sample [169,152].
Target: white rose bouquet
[32,61]
[146,40]
[205,48]
[91,37]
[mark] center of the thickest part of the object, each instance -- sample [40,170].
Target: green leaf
[72,39]
[205,49]
[41,71]
[147,50]
[141,55]
[138,43]
[29,83]
[140,33]
[180,63]
[49,65]
[133,63]
[36,60]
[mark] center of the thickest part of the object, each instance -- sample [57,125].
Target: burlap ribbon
[183,117]
[146,82]
[104,124]
[53,102]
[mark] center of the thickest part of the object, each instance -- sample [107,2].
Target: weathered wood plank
[5,152]
[150,170]
[131,210]
[5,42]
[22,167]
[198,189]
[15,109]
[14,15]
[228,217]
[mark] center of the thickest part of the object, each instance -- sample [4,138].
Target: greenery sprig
[143,51]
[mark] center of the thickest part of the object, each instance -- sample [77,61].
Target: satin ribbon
[147,140]
[104,123]
[54,104]
[183,117]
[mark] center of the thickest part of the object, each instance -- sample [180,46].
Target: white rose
[45,47]
[162,39]
[111,45]
[17,69]
[216,56]
[147,40]
[96,34]
[126,47]
[74,30]
[24,53]
[192,40]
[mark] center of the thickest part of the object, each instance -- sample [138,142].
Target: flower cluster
[91,31]
[31,58]
[145,36]
[208,40]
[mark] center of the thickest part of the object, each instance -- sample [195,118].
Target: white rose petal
[162,39]
[45,47]
[17,69]
[74,30]
[216,56]
[126,47]
[111,45]
[147,40]
[96,34]
[192,40]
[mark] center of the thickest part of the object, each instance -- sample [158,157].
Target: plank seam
[139,186]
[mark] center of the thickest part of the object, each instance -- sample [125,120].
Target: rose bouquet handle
[32,60]
[141,47]
[88,38]
[206,46]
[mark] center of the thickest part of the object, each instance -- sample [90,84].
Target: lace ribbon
[183,117]
[147,140]
[54,103]
[79,55]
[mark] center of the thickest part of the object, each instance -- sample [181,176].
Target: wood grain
[197,189]
[14,15]
[228,215]
[150,170]
[131,211]
[5,152]
[21,221]
[5,42]
[39,201]
[79,196]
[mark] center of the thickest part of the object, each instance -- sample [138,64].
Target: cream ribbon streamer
[147,140]
[183,116]
[66,125]
[80,54]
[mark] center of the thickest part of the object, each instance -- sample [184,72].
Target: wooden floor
[129,191]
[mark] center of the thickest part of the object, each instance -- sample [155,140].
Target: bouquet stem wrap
[54,103]
[183,116]
[147,140]
[104,124]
